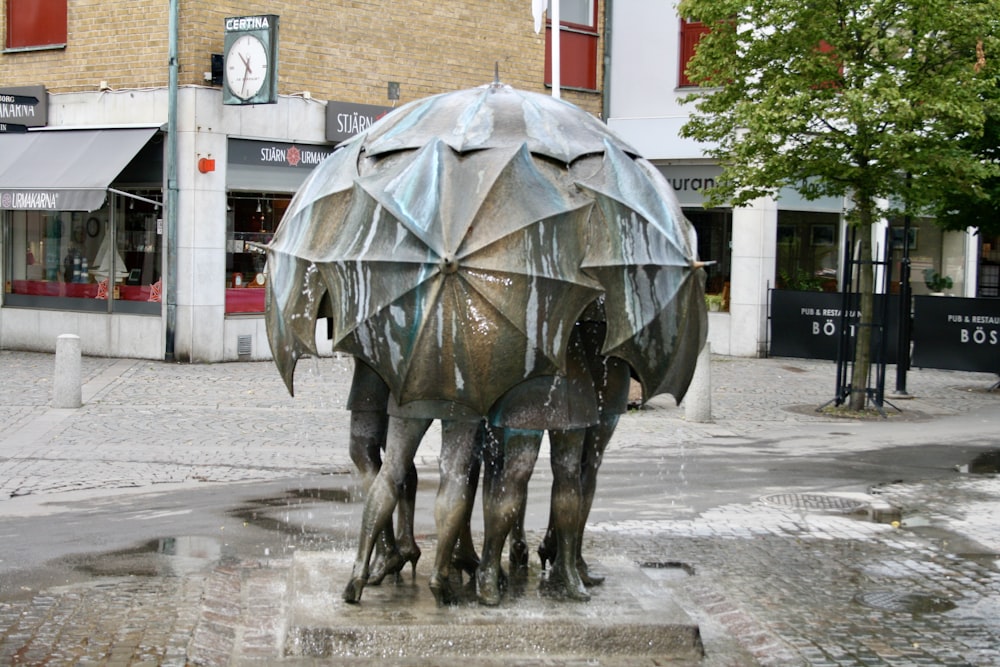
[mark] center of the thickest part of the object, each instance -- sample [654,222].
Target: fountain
[500,261]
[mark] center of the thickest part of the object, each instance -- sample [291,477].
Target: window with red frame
[36,23]
[578,44]
[691,32]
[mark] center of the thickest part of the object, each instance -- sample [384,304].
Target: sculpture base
[630,620]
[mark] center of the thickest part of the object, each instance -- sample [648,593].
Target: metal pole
[170,295]
[903,341]
[556,56]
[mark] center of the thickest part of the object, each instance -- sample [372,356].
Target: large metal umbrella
[493,116]
[464,279]
[295,292]
[643,252]
[448,245]
[455,276]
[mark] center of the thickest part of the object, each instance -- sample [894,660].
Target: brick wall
[336,49]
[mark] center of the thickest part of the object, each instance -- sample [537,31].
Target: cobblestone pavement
[778,565]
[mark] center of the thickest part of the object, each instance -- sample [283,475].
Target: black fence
[808,324]
[947,332]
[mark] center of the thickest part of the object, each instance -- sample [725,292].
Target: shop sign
[344,120]
[26,106]
[276,154]
[808,324]
[689,181]
[956,333]
[23,200]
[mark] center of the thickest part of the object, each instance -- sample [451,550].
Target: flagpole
[556,51]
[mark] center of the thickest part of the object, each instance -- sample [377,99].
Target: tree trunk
[866,286]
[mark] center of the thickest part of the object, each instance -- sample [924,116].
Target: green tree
[977,207]
[863,99]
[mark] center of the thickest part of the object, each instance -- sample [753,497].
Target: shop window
[104,260]
[578,45]
[36,24]
[715,237]
[691,32]
[808,251]
[251,220]
[929,249]
[988,283]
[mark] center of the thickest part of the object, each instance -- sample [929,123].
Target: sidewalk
[771,576]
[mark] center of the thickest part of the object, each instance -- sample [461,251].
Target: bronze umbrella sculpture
[642,251]
[454,245]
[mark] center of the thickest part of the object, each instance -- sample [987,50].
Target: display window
[715,240]
[988,283]
[935,256]
[103,260]
[808,251]
[251,221]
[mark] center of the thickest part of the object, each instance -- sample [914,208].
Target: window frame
[691,33]
[35,25]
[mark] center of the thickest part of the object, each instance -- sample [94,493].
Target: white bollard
[698,399]
[67,391]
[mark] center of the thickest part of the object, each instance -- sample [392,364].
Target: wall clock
[247,63]
[250,64]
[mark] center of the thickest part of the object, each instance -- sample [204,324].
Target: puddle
[168,556]
[987,463]
[912,603]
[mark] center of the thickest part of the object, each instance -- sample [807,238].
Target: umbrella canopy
[642,251]
[492,116]
[464,278]
[455,276]
[295,291]
[455,243]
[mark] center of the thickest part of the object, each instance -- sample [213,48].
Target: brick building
[86,105]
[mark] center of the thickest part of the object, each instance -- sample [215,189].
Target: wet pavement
[164,521]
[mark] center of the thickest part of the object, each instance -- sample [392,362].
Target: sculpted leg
[403,438]
[368,434]
[611,381]
[509,460]
[595,442]
[465,557]
[453,504]
[567,451]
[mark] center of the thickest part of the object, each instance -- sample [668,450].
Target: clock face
[246,66]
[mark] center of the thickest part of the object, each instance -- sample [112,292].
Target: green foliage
[802,281]
[977,206]
[859,98]
[935,282]
[871,100]
[713,301]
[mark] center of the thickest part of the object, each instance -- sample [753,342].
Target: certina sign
[241,23]
[22,200]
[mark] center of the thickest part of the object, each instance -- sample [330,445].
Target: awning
[65,170]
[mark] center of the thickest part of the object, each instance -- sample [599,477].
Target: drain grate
[910,603]
[816,502]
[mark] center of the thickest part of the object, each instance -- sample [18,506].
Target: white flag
[538,11]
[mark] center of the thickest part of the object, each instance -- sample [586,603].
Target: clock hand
[246,75]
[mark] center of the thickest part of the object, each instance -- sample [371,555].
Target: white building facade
[776,242]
